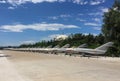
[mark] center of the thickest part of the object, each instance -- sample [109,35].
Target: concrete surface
[8,72]
[22,66]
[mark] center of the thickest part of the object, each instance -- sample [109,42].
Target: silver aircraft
[64,49]
[56,49]
[82,51]
[70,51]
[97,51]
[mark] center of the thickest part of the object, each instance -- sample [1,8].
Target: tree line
[74,40]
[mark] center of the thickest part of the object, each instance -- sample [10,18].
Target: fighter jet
[70,51]
[53,50]
[93,52]
[59,50]
[83,51]
[83,46]
[43,50]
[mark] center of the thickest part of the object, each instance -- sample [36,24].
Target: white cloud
[95,14]
[96,19]
[81,2]
[53,18]
[96,2]
[90,33]
[65,15]
[100,12]
[11,8]
[54,36]
[40,1]
[91,2]
[91,24]
[19,2]
[2,1]
[60,16]
[104,10]
[37,26]
[58,36]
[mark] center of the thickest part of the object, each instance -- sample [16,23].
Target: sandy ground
[46,67]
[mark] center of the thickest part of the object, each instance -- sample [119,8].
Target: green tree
[111,26]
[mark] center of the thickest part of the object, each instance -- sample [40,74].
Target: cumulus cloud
[37,26]
[55,36]
[81,2]
[58,36]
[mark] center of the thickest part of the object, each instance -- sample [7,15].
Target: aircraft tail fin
[83,46]
[105,46]
[57,46]
[66,46]
[49,46]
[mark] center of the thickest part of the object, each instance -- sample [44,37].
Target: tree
[111,26]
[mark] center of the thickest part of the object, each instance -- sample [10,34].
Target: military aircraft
[41,50]
[97,51]
[70,51]
[82,50]
[65,49]
[57,49]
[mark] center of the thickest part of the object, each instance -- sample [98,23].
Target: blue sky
[25,21]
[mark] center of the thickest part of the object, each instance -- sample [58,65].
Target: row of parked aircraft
[82,50]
